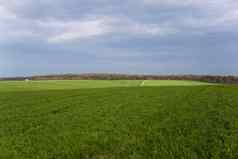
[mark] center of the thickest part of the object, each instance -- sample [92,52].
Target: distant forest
[92,76]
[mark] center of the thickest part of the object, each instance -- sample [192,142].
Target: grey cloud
[145,36]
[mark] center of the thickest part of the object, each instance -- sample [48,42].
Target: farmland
[118,119]
[82,84]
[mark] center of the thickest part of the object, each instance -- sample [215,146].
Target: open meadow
[82,84]
[118,120]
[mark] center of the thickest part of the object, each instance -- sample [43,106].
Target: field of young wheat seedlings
[125,120]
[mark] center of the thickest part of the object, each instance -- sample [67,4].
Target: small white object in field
[27,80]
[142,83]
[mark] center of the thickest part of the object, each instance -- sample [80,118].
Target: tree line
[94,76]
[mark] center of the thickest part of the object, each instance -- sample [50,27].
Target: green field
[172,83]
[118,120]
[80,84]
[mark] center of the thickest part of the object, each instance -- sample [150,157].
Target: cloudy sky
[131,36]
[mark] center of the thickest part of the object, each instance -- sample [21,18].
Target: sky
[113,36]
